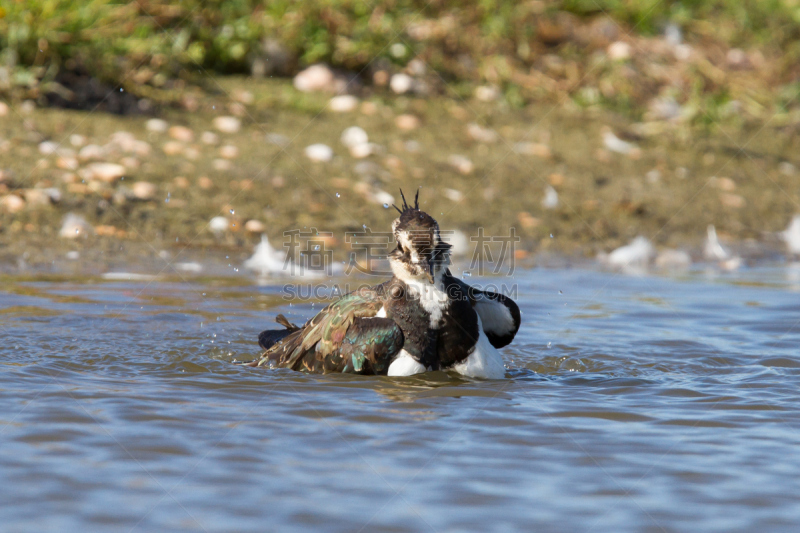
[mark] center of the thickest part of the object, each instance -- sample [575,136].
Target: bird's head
[421,255]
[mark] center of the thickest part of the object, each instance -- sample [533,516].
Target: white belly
[484,361]
[405,365]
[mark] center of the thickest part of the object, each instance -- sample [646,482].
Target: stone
[91,152]
[401,83]
[143,190]
[221,165]
[486,93]
[209,137]
[315,78]
[77,140]
[461,163]
[406,122]
[156,125]
[173,148]
[353,136]
[74,226]
[229,151]
[480,134]
[36,197]
[219,224]
[107,172]
[67,163]
[320,153]
[255,226]
[3,109]
[48,147]
[534,149]
[11,203]
[181,133]
[619,51]
[227,124]
[344,103]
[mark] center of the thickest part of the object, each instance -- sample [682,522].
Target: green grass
[146,45]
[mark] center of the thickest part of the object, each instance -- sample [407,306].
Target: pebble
[229,151]
[48,147]
[130,162]
[221,165]
[67,163]
[354,136]
[406,122]
[204,182]
[343,103]
[550,200]
[453,194]
[77,140]
[734,201]
[91,151]
[156,125]
[209,137]
[12,203]
[535,149]
[480,134]
[74,226]
[314,78]
[787,169]
[107,172]
[401,83]
[218,224]
[3,109]
[242,96]
[319,152]
[144,190]
[181,133]
[461,163]
[37,197]
[227,124]
[619,51]
[173,148]
[181,182]
[27,107]
[615,144]
[255,226]
[487,93]
[360,151]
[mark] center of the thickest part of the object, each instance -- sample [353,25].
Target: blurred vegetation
[531,50]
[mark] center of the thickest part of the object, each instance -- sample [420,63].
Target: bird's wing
[344,337]
[499,314]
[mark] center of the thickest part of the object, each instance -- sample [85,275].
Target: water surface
[630,404]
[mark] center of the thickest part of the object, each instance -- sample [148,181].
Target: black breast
[459,331]
[407,312]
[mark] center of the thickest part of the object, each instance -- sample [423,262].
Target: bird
[422,319]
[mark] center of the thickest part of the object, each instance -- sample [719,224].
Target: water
[661,404]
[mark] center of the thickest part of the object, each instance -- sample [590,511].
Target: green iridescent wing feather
[344,337]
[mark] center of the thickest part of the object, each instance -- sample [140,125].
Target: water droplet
[364,226]
[386,206]
[551,235]
[338,195]
[166,201]
[77,230]
[121,90]
[549,344]
[226,257]
[467,274]
[231,211]
[560,292]
[203,295]
[218,319]
[316,247]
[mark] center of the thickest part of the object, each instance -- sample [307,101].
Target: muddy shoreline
[592,180]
